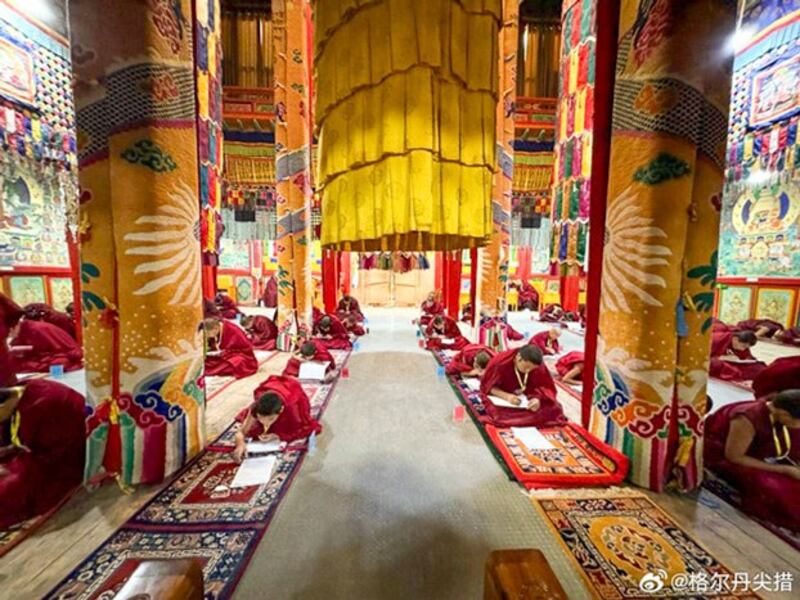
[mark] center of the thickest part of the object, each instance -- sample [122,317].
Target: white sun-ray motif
[637,369]
[174,242]
[162,357]
[628,257]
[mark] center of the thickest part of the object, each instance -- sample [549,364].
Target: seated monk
[261,330]
[311,350]
[226,305]
[352,325]
[48,314]
[552,313]
[467,313]
[528,296]
[269,297]
[547,341]
[430,308]
[512,334]
[520,373]
[782,374]
[765,328]
[42,447]
[755,446]
[280,410]
[789,336]
[330,332]
[210,310]
[444,327]
[234,355]
[38,345]
[471,361]
[731,358]
[349,306]
[501,327]
[570,368]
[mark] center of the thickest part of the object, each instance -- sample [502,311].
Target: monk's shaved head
[308,349]
[789,401]
[268,404]
[325,322]
[481,360]
[531,354]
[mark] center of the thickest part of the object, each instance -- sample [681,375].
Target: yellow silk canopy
[406,96]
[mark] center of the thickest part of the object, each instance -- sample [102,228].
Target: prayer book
[473,383]
[313,370]
[504,404]
[264,447]
[531,438]
[254,471]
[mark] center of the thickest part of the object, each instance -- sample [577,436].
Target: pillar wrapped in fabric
[406,96]
[662,226]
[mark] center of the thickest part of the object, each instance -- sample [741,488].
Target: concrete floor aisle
[399,501]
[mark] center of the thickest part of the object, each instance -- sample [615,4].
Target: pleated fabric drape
[540,60]
[248,56]
[405,108]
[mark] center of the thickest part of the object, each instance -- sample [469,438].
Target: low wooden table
[522,574]
[179,579]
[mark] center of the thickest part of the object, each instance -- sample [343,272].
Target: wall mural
[60,292]
[775,304]
[734,304]
[27,290]
[234,254]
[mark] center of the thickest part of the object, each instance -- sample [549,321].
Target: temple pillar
[662,226]
[292,162]
[140,252]
[495,256]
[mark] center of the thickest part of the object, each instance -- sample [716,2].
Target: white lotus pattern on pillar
[628,257]
[173,245]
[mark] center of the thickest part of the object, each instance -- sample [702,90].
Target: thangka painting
[734,304]
[27,290]
[775,304]
[776,92]
[32,228]
[760,235]
[234,254]
[244,290]
[17,74]
[60,292]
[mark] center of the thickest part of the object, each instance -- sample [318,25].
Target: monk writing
[431,307]
[38,345]
[763,328]
[515,375]
[528,296]
[48,314]
[547,341]
[261,330]
[570,368]
[731,358]
[349,306]
[441,328]
[280,411]
[471,361]
[226,305]
[755,446]
[782,374]
[312,351]
[231,353]
[789,336]
[330,332]
[269,297]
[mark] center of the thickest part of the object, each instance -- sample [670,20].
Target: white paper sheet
[531,438]
[264,447]
[254,471]
[473,383]
[445,340]
[312,370]
[270,313]
[504,404]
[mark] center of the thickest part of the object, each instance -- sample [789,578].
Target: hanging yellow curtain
[406,101]
[247,49]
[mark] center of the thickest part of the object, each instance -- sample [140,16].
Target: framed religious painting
[60,292]
[27,290]
[734,304]
[244,290]
[775,94]
[17,71]
[775,304]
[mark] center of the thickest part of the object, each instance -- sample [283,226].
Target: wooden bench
[522,574]
[179,579]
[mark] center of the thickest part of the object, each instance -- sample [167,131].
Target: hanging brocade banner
[406,111]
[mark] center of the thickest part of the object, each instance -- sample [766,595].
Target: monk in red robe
[233,352]
[349,306]
[311,350]
[731,358]
[467,313]
[38,345]
[42,448]
[471,361]
[765,328]
[269,297]
[547,341]
[552,313]
[210,310]
[280,411]
[48,314]
[528,296]
[516,374]
[789,336]
[261,330]
[352,325]
[782,374]
[444,327]
[755,446]
[226,305]
[430,308]
[717,325]
[330,332]
[570,368]
[10,314]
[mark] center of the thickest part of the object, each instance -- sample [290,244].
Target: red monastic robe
[754,325]
[48,314]
[430,308]
[545,344]
[295,421]
[322,354]
[501,373]
[722,345]
[528,296]
[210,310]
[343,310]
[316,315]
[10,314]
[237,358]
[566,363]
[769,496]
[464,361]
[552,313]
[783,374]
[336,338]
[51,346]
[789,336]
[52,429]
[270,295]
[263,333]
[227,307]
[450,330]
